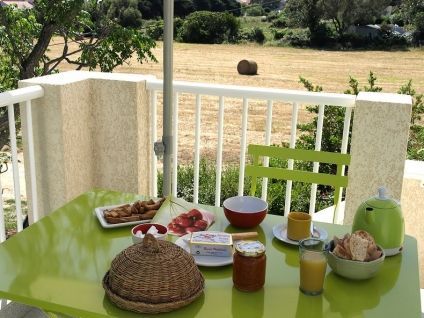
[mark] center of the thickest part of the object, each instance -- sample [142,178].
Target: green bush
[207,181]
[154,29]
[131,18]
[297,37]
[280,22]
[416,134]
[209,27]
[254,11]
[229,187]
[255,34]
[278,34]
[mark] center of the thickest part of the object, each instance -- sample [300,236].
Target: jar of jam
[249,265]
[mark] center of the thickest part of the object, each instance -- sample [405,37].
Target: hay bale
[247,67]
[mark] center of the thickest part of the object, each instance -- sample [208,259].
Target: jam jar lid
[250,248]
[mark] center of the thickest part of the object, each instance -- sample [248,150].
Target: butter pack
[211,244]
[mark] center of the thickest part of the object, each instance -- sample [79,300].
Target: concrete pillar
[378,147]
[91,130]
[412,203]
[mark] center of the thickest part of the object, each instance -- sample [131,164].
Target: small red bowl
[161,235]
[245,211]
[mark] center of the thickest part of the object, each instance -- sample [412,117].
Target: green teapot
[382,217]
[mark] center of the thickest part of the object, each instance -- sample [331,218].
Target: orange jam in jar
[249,265]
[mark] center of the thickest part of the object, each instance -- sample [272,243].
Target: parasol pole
[168,15]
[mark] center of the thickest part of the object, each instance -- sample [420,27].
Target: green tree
[344,13]
[413,14]
[334,119]
[266,4]
[303,14]
[151,9]
[416,133]
[209,27]
[25,36]
[125,12]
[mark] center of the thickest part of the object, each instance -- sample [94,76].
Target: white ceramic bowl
[161,235]
[354,269]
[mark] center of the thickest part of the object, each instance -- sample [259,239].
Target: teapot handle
[369,215]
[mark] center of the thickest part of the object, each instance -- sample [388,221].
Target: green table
[58,263]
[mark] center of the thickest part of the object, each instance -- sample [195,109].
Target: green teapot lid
[382,200]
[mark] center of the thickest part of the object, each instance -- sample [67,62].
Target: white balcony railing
[292,99]
[81,145]
[10,99]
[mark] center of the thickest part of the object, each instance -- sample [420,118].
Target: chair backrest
[257,170]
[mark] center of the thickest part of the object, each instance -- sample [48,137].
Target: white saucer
[209,261]
[280,232]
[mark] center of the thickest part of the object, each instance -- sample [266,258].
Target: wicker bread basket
[153,276]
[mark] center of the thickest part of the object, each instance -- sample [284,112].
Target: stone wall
[89,132]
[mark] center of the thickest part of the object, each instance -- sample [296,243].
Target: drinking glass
[313,265]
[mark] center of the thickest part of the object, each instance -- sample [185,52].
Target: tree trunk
[33,59]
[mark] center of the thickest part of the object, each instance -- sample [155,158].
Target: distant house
[366,31]
[373,30]
[21,4]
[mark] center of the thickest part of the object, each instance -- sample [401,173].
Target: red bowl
[245,211]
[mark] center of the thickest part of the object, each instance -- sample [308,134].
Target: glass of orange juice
[313,265]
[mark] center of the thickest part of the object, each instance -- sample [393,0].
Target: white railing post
[318,138]
[287,203]
[2,223]
[31,157]
[154,136]
[268,130]
[15,167]
[243,145]
[175,146]
[9,99]
[219,152]
[197,151]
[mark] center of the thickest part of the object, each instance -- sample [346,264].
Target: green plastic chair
[257,170]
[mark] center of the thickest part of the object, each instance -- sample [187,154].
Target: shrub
[254,11]
[207,181]
[297,37]
[252,35]
[131,18]
[416,133]
[258,35]
[209,27]
[154,29]
[229,187]
[280,22]
[278,34]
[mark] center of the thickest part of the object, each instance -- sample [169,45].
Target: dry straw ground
[278,68]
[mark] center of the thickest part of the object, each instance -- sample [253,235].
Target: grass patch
[10,218]
[256,22]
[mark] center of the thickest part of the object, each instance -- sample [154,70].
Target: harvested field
[277,67]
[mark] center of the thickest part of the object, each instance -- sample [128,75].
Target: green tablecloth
[58,264]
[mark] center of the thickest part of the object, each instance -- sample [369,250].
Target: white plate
[209,261]
[280,232]
[103,222]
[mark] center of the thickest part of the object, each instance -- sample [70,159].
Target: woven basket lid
[153,276]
